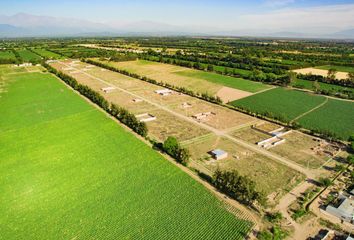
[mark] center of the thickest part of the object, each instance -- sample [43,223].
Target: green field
[7,55]
[227,81]
[323,86]
[46,53]
[28,56]
[285,103]
[68,171]
[338,68]
[335,116]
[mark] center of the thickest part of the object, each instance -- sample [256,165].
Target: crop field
[7,55]
[338,68]
[336,116]
[46,53]
[281,102]
[28,56]
[269,175]
[195,80]
[67,165]
[300,83]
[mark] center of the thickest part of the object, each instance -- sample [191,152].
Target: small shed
[218,154]
[108,89]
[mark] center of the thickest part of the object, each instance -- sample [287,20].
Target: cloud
[311,19]
[278,3]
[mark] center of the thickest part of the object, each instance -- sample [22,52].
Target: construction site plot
[270,176]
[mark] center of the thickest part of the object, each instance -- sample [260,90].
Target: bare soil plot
[321,72]
[268,126]
[230,94]
[302,149]
[269,175]
[167,125]
[221,118]
[250,135]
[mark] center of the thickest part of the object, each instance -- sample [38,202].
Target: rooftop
[218,152]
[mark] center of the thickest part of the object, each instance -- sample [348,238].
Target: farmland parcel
[70,172]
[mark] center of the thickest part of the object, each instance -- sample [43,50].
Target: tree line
[123,115]
[239,187]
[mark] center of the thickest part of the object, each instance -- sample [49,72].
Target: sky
[277,15]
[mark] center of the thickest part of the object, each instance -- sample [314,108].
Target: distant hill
[27,25]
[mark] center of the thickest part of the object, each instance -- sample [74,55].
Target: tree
[350,77]
[325,182]
[172,148]
[332,74]
[316,86]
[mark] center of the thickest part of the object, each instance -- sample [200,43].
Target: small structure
[218,154]
[145,117]
[343,208]
[323,235]
[164,92]
[108,89]
[24,65]
[202,116]
[137,100]
[186,105]
[349,238]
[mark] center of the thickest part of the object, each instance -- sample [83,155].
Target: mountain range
[27,25]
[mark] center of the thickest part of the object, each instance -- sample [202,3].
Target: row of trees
[129,119]
[238,187]
[121,114]
[204,96]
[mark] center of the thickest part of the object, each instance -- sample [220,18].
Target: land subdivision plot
[300,148]
[270,176]
[165,123]
[305,150]
[321,72]
[220,117]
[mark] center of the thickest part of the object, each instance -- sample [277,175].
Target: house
[164,92]
[218,154]
[343,208]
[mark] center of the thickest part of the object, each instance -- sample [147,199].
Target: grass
[46,53]
[70,172]
[28,56]
[7,55]
[284,103]
[227,81]
[338,68]
[335,116]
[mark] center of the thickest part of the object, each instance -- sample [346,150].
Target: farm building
[164,92]
[349,238]
[218,154]
[343,209]
[108,89]
[137,100]
[145,117]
